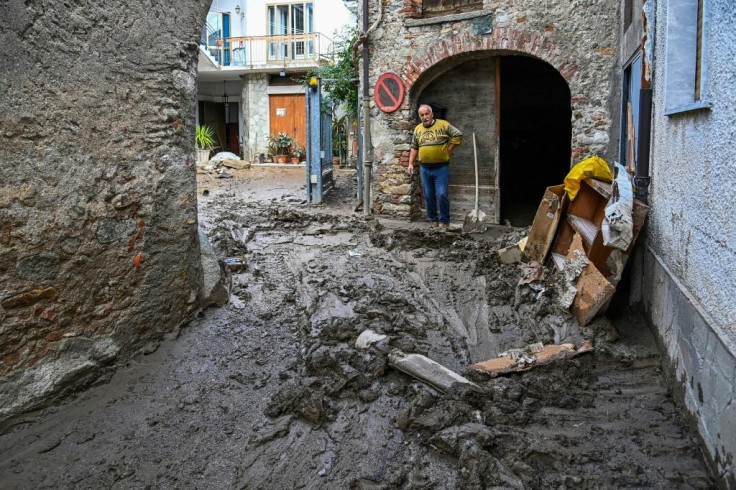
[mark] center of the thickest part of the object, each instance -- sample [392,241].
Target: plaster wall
[692,236]
[99,255]
[580,39]
[693,178]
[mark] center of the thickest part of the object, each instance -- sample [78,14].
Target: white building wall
[694,174]
[329,16]
[690,266]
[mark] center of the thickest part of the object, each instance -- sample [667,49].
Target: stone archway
[98,220]
[502,40]
[583,63]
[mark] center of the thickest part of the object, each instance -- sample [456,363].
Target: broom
[474,221]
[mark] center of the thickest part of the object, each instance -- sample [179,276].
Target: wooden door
[288,115]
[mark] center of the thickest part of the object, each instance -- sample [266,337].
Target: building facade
[536,83]
[685,276]
[251,59]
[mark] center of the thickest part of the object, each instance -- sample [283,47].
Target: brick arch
[508,40]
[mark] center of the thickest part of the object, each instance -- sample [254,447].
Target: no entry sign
[389,92]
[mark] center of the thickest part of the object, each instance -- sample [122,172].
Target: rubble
[512,254]
[368,338]
[534,355]
[273,391]
[214,280]
[427,370]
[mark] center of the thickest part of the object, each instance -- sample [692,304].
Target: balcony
[263,52]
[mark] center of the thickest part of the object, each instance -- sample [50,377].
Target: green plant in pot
[273,150]
[205,140]
[297,151]
[282,142]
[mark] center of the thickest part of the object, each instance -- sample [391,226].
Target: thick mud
[270,392]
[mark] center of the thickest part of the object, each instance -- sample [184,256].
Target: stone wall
[98,223]
[690,263]
[255,114]
[578,38]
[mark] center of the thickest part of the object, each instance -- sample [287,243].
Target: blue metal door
[225,39]
[320,178]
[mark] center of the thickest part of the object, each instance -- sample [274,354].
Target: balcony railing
[265,51]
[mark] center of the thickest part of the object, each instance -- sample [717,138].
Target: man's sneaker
[445,226]
[433,224]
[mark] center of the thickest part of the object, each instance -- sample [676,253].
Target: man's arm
[412,157]
[456,137]
[413,152]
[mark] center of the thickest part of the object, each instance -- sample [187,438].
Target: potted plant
[205,140]
[273,150]
[283,142]
[296,152]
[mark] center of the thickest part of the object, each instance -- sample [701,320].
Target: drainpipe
[367,148]
[642,179]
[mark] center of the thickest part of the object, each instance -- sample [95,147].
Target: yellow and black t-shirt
[432,141]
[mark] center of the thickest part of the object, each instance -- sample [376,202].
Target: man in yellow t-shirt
[433,142]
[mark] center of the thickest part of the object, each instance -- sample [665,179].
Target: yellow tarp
[593,167]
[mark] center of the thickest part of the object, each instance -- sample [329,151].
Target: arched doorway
[519,109]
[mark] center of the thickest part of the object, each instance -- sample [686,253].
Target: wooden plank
[587,229]
[545,224]
[630,138]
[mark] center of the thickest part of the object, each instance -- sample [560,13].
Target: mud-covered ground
[269,391]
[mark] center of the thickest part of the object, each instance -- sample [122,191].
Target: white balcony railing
[265,51]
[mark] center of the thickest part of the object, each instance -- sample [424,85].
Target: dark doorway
[225,124]
[535,135]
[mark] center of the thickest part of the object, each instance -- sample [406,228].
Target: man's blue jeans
[435,179]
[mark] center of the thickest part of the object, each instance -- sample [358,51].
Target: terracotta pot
[295,160]
[282,158]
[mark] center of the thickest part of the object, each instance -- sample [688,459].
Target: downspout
[367,145]
[367,149]
[643,149]
[642,179]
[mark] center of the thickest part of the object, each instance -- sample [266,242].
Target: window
[686,56]
[630,111]
[294,20]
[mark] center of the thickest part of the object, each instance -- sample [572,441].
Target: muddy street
[270,391]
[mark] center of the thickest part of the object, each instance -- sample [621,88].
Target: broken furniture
[559,220]
[585,215]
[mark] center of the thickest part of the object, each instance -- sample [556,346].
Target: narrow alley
[270,391]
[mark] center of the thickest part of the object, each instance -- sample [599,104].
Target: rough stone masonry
[577,37]
[98,225]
